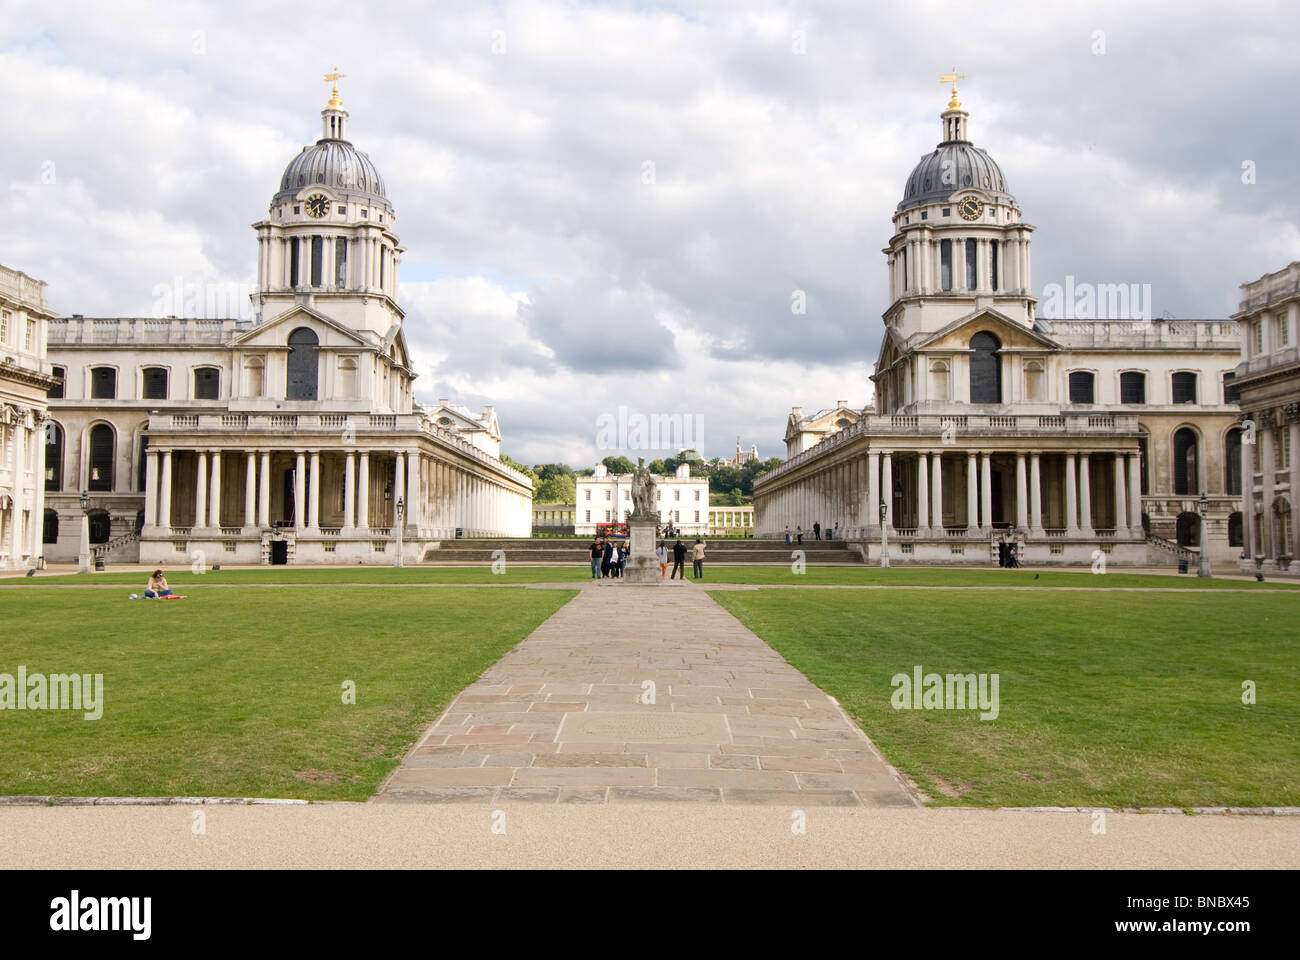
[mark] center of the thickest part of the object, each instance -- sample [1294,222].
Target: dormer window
[297,209]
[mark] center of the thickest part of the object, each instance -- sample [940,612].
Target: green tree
[526,470]
[556,489]
[546,471]
[618,464]
[736,497]
[657,467]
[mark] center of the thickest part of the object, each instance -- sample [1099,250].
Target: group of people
[609,558]
[817,530]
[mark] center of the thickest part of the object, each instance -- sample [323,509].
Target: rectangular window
[155,383]
[904,268]
[945,265]
[697,495]
[588,496]
[1230,393]
[293,262]
[677,494]
[103,383]
[925,215]
[607,495]
[677,515]
[207,383]
[29,338]
[1184,387]
[4,326]
[383,262]
[971,283]
[1283,333]
[993,264]
[1257,335]
[56,392]
[697,516]
[607,516]
[1282,448]
[317,254]
[588,512]
[1081,387]
[340,261]
[1132,387]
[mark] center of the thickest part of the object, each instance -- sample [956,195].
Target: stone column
[250,491]
[922,494]
[150,489]
[1085,497]
[264,492]
[1022,494]
[349,490]
[972,495]
[414,497]
[214,501]
[200,488]
[1268,464]
[1294,487]
[1121,513]
[873,492]
[363,491]
[165,495]
[313,518]
[300,492]
[1035,495]
[887,488]
[986,491]
[1071,499]
[399,485]
[1135,495]
[936,493]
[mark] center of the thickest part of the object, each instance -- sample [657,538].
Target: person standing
[798,532]
[817,530]
[837,529]
[606,554]
[614,559]
[595,550]
[788,537]
[622,558]
[679,558]
[697,558]
[661,554]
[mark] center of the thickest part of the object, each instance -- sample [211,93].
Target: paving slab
[644,694]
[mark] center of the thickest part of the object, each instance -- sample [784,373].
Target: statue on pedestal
[643,493]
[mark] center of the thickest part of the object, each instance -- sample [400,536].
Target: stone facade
[606,497]
[25,378]
[1268,381]
[293,437]
[1079,439]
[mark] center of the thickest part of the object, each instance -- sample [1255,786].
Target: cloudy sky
[610,204]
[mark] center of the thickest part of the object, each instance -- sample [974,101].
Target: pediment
[957,335]
[274,332]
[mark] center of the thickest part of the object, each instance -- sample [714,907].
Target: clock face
[317,206]
[970,208]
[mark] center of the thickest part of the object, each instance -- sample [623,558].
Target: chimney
[841,403]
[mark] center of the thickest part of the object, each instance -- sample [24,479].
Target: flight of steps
[561,552]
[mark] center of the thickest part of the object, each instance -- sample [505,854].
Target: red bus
[616,530]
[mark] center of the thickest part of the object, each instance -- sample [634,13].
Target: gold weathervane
[954,103]
[335,77]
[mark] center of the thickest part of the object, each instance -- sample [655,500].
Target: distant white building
[24,380]
[607,498]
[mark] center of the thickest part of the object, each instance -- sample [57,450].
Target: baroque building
[292,437]
[1080,439]
[605,497]
[1268,381]
[25,379]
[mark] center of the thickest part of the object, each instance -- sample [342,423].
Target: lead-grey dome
[338,165]
[967,166]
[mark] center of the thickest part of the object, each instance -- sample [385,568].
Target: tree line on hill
[557,482]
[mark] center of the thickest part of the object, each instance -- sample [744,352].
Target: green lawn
[239,692]
[1122,699]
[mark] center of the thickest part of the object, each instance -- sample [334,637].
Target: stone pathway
[564,717]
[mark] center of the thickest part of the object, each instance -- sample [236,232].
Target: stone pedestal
[642,565]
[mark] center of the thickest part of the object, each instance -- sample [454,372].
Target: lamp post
[884,534]
[1203,569]
[399,509]
[83,550]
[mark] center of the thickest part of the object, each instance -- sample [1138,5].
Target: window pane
[56,392]
[1230,393]
[1184,387]
[317,252]
[155,383]
[970,265]
[340,261]
[1081,387]
[207,383]
[945,264]
[103,383]
[1132,388]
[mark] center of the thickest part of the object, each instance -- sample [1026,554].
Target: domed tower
[959,245]
[328,241]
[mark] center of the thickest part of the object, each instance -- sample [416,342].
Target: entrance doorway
[279,552]
[289,506]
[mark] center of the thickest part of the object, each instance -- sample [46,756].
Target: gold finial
[334,78]
[954,103]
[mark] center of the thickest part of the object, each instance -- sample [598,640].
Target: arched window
[207,383]
[1034,381]
[50,530]
[1132,387]
[985,368]
[154,383]
[1186,476]
[101,527]
[101,458]
[1232,461]
[254,377]
[302,365]
[1235,538]
[103,383]
[1082,387]
[1184,387]
[53,456]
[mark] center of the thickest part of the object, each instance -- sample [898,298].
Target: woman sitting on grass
[157,586]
